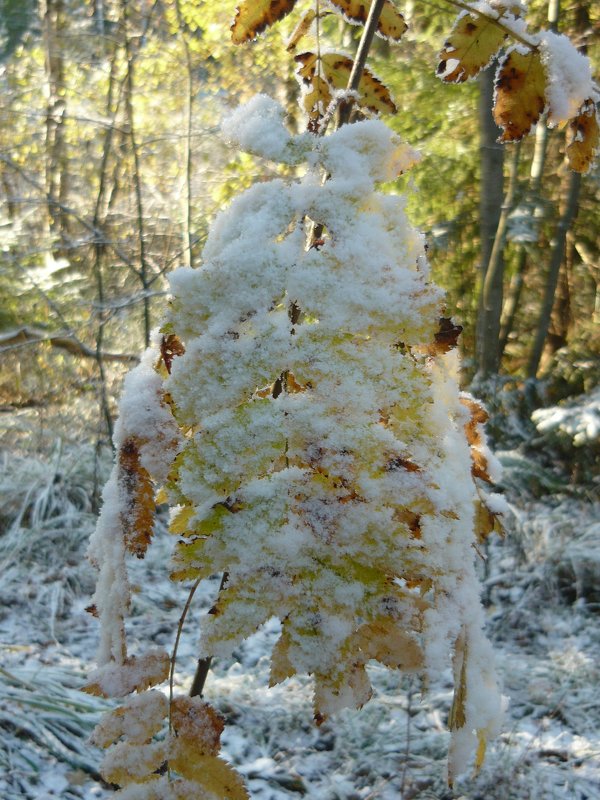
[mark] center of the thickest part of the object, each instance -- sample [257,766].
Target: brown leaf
[583,138]
[446,337]
[170,347]
[254,16]
[138,509]
[391,24]
[472,44]
[520,94]
[212,776]
[475,437]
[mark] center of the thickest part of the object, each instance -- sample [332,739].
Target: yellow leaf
[213,775]
[281,667]
[126,763]
[197,728]
[135,674]
[179,523]
[254,16]
[335,68]
[373,94]
[520,94]
[481,748]
[583,137]
[391,24]
[317,98]
[138,720]
[384,641]
[472,44]
[301,29]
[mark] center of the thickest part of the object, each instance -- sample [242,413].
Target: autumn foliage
[299,410]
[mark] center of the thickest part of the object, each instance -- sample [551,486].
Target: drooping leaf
[212,776]
[385,642]
[583,138]
[137,720]
[138,498]
[373,94]
[197,728]
[391,24]
[335,68]
[254,16]
[520,94]
[301,29]
[316,98]
[281,666]
[126,763]
[134,675]
[472,44]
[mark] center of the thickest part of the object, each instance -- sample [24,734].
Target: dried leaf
[170,347]
[446,337]
[138,498]
[472,44]
[391,24]
[583,138]
[254,16]
[520,94]
[476,438]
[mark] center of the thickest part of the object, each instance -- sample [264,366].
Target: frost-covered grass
[541,617]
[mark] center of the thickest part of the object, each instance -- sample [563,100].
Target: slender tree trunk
[52,14]
[187,155]
[568,214]
[490,204]
[137,172]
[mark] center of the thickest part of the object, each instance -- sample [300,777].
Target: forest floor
[543,618]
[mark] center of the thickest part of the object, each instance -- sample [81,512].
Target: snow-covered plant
[300,410]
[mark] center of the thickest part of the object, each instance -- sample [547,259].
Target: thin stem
[204,664]
[361,59]
[186,608]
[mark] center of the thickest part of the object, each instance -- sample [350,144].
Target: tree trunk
[568,214]
[490,204]
[56,178]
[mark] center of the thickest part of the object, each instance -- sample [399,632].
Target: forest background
[111,169]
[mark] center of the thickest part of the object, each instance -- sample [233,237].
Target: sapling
[300,410]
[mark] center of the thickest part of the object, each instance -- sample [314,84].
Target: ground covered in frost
[543,617]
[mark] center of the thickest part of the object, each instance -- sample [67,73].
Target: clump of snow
[579,419]
[569,77]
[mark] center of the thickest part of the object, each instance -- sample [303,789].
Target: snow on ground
[542,617]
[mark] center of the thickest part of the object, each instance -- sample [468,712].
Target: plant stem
[203,667]
[362,53]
